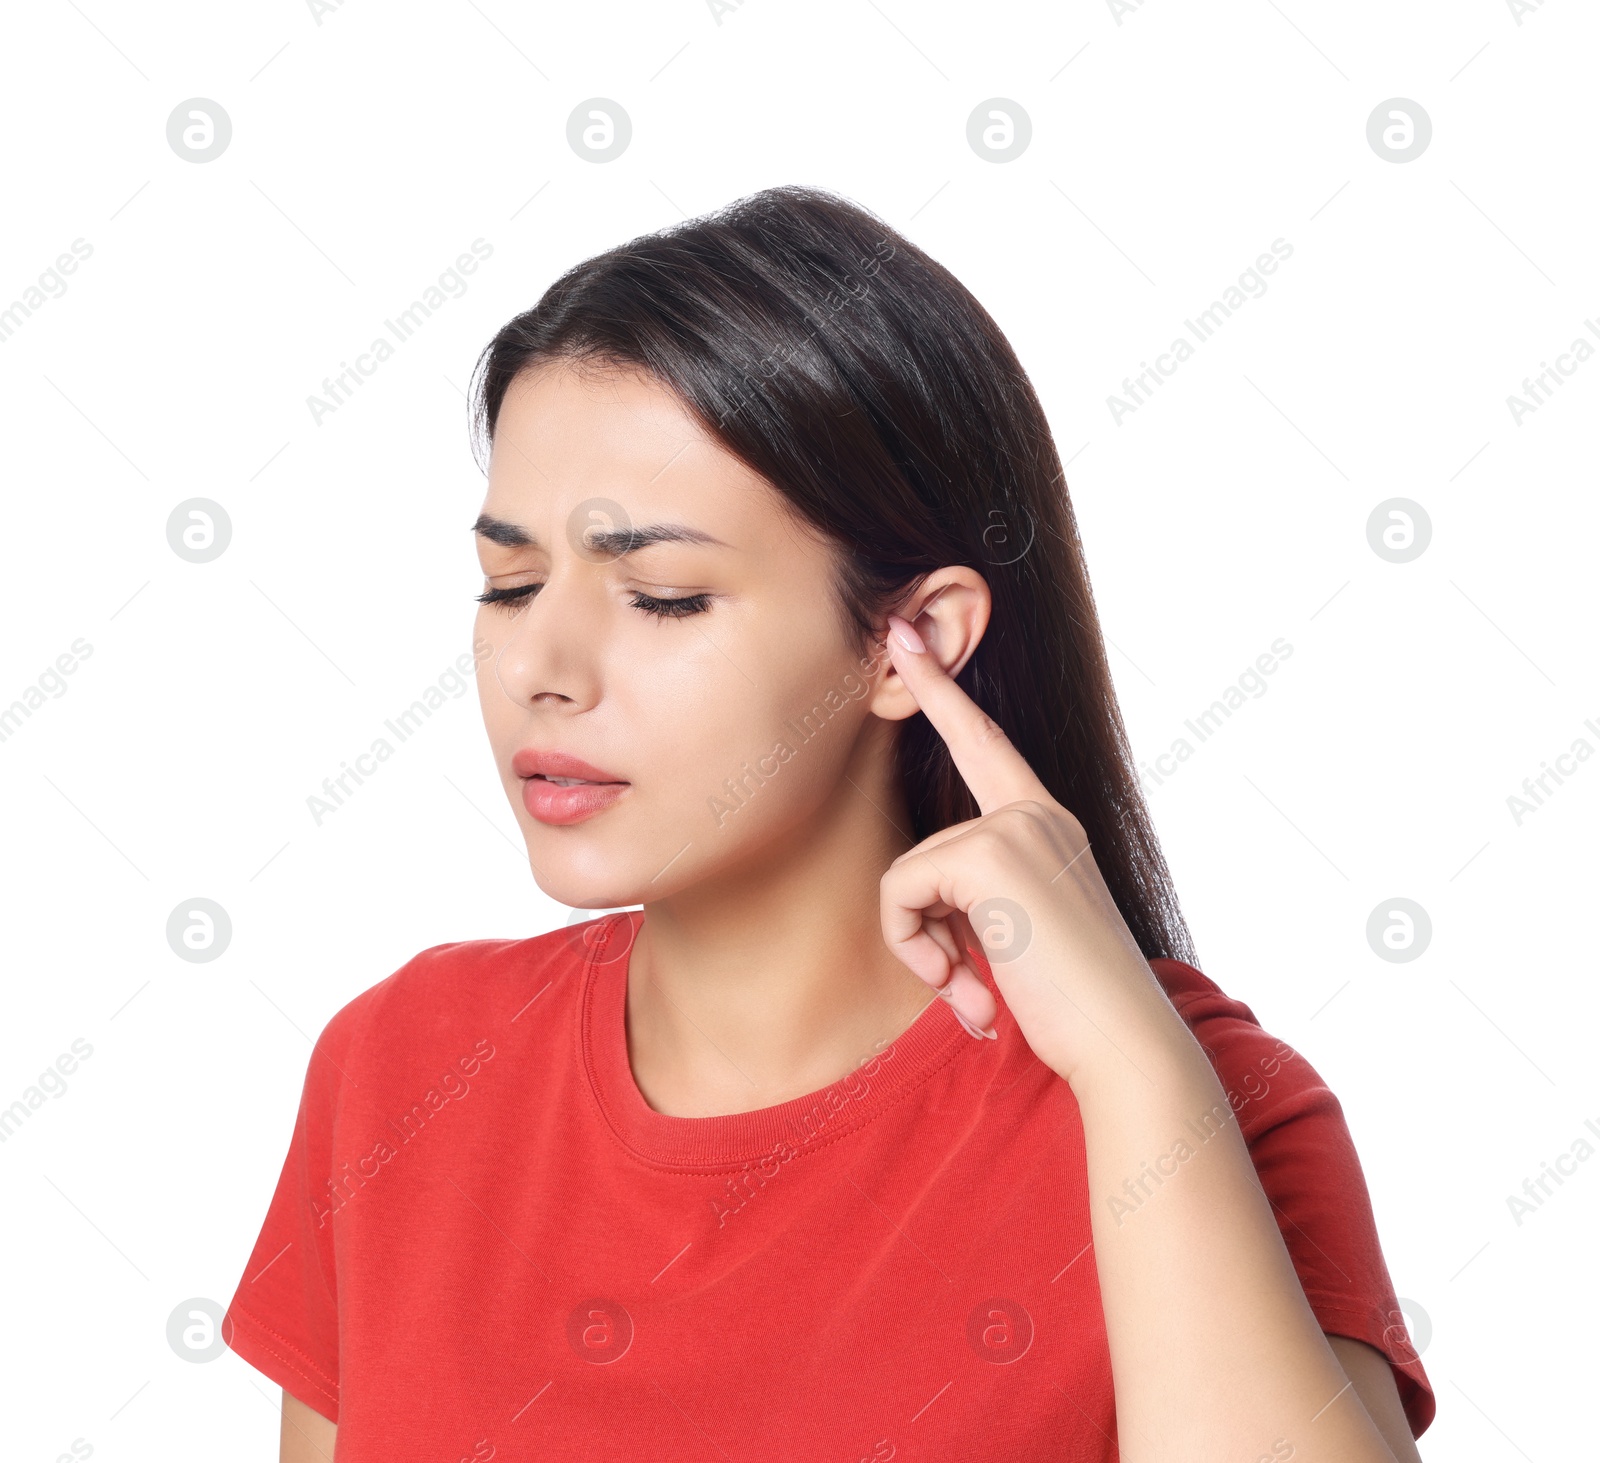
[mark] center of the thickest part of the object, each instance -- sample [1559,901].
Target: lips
[555,802]
[534,762]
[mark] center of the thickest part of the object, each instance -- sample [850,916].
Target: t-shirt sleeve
[284,1316]
[1306,1161]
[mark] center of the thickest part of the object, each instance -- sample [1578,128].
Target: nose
[542,657]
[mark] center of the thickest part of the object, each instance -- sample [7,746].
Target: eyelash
[662,609]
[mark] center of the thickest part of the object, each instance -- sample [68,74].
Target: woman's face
[706,670]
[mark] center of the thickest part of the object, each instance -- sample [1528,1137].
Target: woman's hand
[1019,881]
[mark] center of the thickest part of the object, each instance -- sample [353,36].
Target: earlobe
[891,701]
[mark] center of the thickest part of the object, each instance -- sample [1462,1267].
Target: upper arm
[306,1435]
[1306,1161]
[1373,1382]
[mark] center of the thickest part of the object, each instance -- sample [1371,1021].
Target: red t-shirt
[485,1243]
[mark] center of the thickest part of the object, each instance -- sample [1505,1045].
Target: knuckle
[1034,829]
[1029,818]
[1001,842]
[989,732]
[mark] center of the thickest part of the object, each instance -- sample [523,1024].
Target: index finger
[995,771]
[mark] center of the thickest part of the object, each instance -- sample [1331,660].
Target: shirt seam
[1373,1317]
[305,1366]
[586,993]
[732,1166]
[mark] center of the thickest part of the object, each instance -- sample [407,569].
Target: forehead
[574,448]
[565,435]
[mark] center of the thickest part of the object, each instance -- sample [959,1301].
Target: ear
[950,611]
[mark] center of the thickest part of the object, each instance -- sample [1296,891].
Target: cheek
[491,630]
[690,723]
[735,759]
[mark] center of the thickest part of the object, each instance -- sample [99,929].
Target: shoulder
[1195,995]
[446,991]
[1264,1077]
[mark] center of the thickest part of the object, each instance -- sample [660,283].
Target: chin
[586,879]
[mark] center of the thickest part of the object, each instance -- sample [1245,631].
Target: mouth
[559,789]
[575,781]
[559,802]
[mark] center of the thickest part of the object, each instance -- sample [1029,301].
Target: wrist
[1155,1059]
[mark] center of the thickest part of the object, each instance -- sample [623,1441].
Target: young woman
[896,1120]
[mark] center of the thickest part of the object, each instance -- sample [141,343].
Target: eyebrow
[614,541]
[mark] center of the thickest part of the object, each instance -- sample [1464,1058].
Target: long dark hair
[868,386]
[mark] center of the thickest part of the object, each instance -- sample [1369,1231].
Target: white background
[1168,150]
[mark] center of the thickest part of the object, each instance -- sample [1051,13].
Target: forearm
[1216,1356]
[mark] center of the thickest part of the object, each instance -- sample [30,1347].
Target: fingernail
[906,634]
[970,1029]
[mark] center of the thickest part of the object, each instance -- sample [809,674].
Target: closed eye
[689,604]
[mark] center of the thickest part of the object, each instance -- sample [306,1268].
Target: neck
[772,981]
